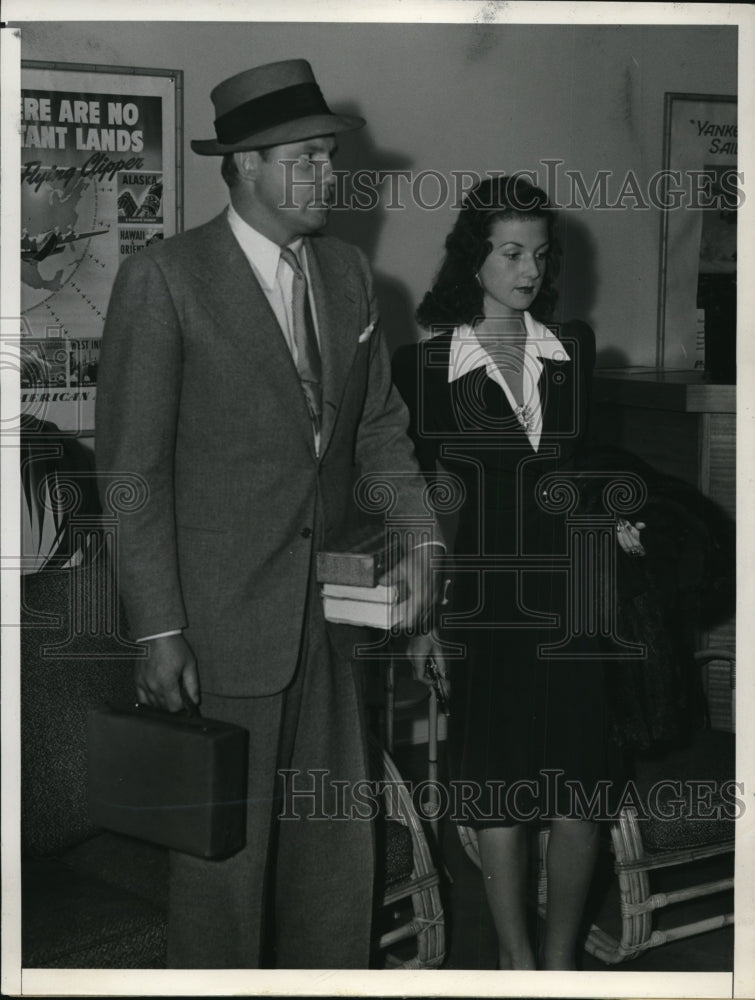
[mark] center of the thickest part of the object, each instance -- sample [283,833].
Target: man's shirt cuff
[159,635]
[421,545]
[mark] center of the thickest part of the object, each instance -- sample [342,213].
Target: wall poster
[698,265]
[100,178]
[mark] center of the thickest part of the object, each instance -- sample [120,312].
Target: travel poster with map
[99,182]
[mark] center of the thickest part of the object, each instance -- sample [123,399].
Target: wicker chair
[411,902]
[642,846]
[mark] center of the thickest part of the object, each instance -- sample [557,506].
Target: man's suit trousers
[299,895]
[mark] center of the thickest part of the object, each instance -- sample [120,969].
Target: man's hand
[169,664]
[417,587]
[419,649]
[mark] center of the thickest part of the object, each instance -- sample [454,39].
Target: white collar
[262,253]
[468,353]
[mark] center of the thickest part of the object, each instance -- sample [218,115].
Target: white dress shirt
[469,353]
[273,274]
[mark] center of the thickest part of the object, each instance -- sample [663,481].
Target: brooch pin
[525,416]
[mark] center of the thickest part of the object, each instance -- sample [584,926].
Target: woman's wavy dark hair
[456,296]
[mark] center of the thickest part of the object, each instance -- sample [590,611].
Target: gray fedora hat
[270,105]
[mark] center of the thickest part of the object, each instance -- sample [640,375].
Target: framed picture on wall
[700,193]
[101,178]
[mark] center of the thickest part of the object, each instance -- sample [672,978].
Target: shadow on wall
[578,280]
[359,217]
[578,283]
[612,357]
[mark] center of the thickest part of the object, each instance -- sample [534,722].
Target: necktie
[308,354]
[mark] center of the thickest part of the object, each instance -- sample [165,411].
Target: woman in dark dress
[500,401]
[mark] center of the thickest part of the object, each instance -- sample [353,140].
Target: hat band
[297,101]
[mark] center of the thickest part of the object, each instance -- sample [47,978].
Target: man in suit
[249,390]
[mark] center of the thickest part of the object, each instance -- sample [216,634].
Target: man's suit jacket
[199,395]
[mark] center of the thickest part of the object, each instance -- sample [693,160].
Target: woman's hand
[628,536]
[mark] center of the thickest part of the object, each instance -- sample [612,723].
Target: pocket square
[367,332]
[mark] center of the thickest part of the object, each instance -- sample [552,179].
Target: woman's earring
[477,278]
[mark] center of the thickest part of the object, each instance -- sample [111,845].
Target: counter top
[663,389]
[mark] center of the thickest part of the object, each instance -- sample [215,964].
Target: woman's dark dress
[516,713]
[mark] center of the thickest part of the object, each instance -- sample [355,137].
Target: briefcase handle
[190,707]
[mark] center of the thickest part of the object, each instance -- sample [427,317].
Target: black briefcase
[170,778]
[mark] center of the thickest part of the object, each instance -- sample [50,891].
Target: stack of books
[349,605]
[350,590]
